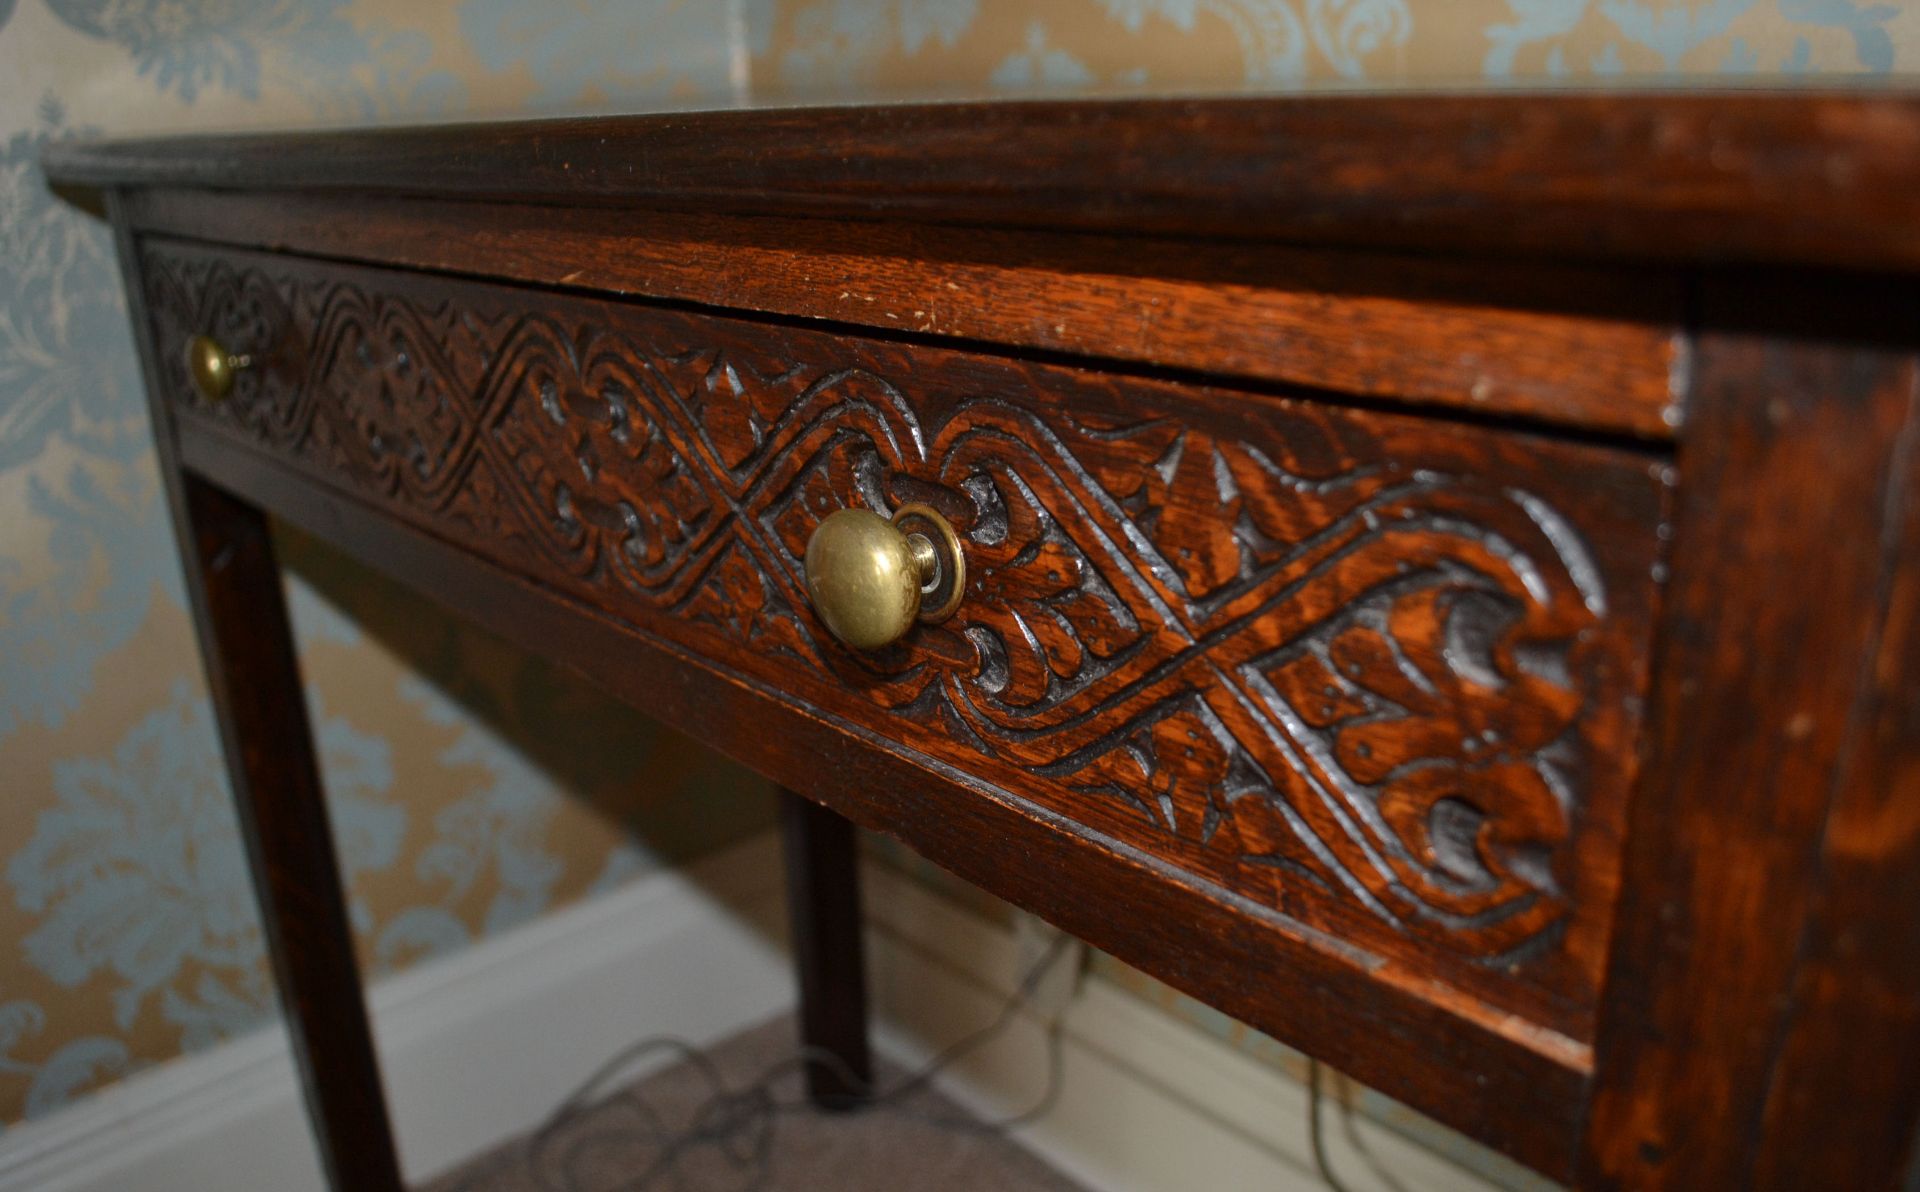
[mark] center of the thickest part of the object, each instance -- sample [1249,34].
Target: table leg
[238,602]
[823,897]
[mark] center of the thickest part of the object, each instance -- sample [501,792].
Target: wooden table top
[1626,888]
[1793,178]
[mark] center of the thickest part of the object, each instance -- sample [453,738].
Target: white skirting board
[1148,1103]
[481,1045]
[475,1047]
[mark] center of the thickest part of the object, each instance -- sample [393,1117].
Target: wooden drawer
[1374,678]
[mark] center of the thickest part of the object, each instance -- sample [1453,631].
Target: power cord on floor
[1316,1133]
[739,1123]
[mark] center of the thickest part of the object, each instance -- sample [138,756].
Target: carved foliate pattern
[1339,664]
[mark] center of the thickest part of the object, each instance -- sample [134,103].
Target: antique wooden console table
[1434,577]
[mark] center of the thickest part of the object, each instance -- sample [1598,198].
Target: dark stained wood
[1759,1024]
[1855,1017]
[1543,750]
[234,590]
[1373,674]
[823,904]
[1579,346]
[1513,1086]
[1826,179]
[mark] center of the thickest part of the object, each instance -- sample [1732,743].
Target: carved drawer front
[1375,677]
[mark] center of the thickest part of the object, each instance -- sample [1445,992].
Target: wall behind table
[474,788]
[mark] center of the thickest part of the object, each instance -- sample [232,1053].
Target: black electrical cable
[1317,1132]
[739,1124]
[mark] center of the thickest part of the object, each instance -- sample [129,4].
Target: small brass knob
[870,578]
[212,367]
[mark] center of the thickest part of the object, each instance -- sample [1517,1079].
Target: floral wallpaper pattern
[474,788]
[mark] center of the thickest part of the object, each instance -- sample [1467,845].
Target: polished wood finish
[823,905]
[1490,1075]
[1398,613]
[1767,947]
[1810,179]
[1372,674]
[235,588]
[1856,992]
[1598,349]
[235,593]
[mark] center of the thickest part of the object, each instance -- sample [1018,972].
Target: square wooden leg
[247,642]
[823,896]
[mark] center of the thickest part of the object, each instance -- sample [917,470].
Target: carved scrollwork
[1313,666]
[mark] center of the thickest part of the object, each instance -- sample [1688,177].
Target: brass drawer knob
[870,578]
[212,366]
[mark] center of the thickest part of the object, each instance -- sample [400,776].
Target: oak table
[1432,576]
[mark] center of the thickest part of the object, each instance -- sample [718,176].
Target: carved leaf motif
[1440,707]
[1491,827]
[1217,510]
[1040,609]
[1428,669]
[1184,771]
[736,597]
[1269,651]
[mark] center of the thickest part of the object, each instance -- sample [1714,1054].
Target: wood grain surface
[1760,1021]
[1320,464]
[1809,178]
[1598,349]
[1377,676]
[237,599]
[1511,1084]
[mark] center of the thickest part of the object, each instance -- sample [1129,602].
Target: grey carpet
[909,1144]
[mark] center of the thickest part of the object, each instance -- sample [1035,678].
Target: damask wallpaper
[474,788]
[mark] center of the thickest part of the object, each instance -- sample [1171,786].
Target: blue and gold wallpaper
[474,788]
